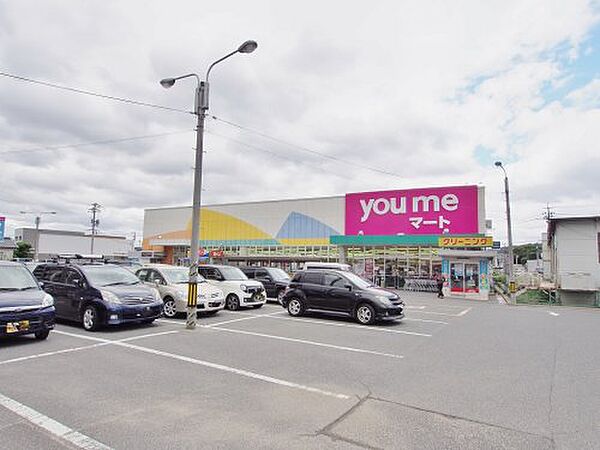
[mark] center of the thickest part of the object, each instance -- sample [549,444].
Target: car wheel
[295,307]
[280,296]
[42,335]
[169,308]
[232,303]
[90,319]
[365,314]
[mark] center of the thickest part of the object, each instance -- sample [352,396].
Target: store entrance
[464,277]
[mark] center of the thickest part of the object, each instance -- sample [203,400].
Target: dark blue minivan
[96,295]
[24,307]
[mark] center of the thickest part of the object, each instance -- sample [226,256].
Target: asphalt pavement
[452,374]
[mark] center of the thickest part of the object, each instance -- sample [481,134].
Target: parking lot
[452,374]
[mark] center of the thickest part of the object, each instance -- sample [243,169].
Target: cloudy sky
[395,94]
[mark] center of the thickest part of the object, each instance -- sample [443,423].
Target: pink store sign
[446,210]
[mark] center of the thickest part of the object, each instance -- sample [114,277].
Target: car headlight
[47,301]
[110,297]
[243,287]
[385,300]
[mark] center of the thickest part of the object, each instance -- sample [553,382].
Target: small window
[73,278]
[249,272]
[333,280]
[55,275]
[312,278]
[261,273]
[297,278]
[209,273]
[143,274]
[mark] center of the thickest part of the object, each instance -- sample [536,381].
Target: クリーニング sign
[445,210]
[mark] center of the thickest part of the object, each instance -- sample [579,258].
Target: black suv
[341,292]
[98,294]
[274,280]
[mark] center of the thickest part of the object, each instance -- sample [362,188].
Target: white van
[325,265]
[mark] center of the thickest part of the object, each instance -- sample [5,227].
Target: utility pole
[94,211]
[37,220]
[200,110]
[512,288]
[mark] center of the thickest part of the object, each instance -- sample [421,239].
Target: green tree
[23,250]
[527,251]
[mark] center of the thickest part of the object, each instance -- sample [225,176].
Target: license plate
[15,327]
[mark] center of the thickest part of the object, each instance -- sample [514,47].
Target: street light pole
[201,106]
[510,268]
[37,220]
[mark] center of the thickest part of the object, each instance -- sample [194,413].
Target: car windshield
[232,273]
[358,281]
[16,278]
[279,274]
[109,276]
[179,275]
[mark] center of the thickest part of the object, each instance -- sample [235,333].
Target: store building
[392,237]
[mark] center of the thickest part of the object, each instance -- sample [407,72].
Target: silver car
[172,283]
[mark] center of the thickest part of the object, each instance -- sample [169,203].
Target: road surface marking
[52,426]
[415,307]
[302,341]
[230,321]
[221,367]
[462,313]
[57,352]
[410,319]
[553,313]
[347,325]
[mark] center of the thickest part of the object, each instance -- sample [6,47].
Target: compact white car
[172,283]
[238,289]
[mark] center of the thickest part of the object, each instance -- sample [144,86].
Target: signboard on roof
[445,210]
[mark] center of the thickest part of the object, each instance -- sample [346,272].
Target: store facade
[395,238]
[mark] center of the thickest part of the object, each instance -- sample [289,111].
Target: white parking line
[58,352]
[462,313]
[346,325]
[302,341]
[232,321]
[52,426]
[410,319]
[221,367]
[415,307]
[553,314]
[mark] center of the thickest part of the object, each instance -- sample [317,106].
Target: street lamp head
[167,82]
[247,47]
[498,163]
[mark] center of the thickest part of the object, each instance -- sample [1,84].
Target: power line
[91,93]
[305,149]
[277,155]
[85,144]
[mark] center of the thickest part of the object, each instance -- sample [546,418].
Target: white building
[7,247]
[573,245]
[54,242]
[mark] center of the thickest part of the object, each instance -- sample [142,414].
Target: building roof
[8,244]
[553,222]
[69,233]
